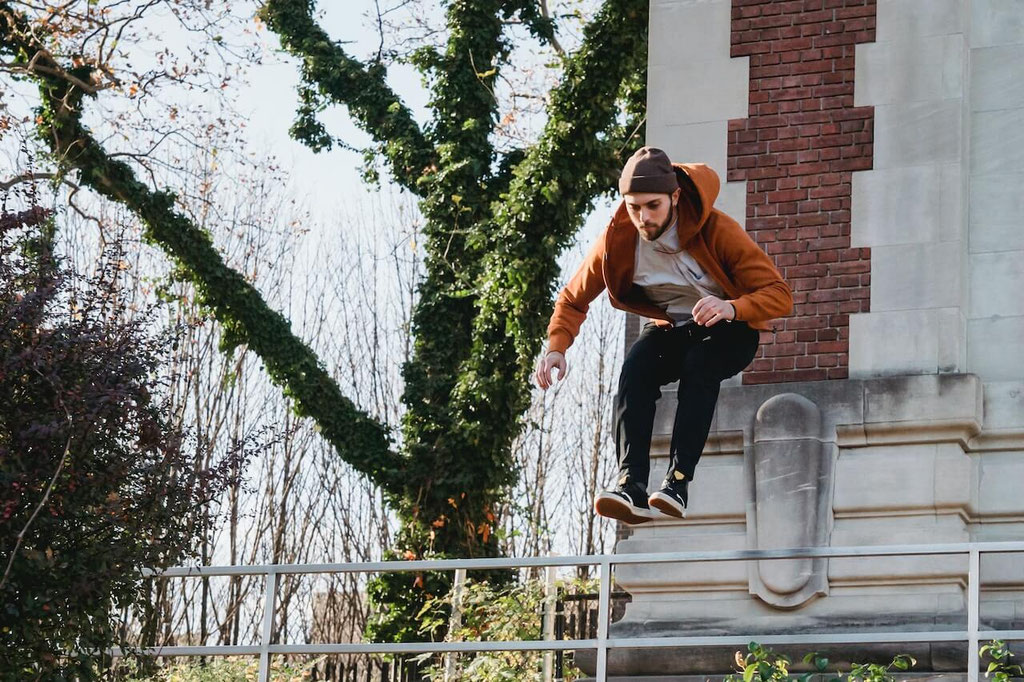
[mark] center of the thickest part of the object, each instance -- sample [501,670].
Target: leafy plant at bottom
[507,613]
[228,670]
[763,664]
[1000,668]
[874,672]
[96,483]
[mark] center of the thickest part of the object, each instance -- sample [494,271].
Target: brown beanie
[648,170]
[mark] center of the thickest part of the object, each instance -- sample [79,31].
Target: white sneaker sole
[614,507]
[666,505]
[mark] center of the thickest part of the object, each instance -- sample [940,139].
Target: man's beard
[662,228]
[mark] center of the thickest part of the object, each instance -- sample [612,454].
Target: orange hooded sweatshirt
[716,241]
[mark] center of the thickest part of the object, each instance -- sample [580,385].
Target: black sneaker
[672,497]
[626,502]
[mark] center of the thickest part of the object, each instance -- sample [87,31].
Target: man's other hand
[549,362]
[711,310]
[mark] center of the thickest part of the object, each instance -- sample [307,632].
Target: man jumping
[669,255]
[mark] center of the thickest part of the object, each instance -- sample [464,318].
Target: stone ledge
[924,408]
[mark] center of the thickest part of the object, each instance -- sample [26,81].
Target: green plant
[819,663]
[874,672]
[1000,667]
[512,612]
[763,664]
[226,670]
[95,484]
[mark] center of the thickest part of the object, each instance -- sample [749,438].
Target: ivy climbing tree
[495,224]
[494,228]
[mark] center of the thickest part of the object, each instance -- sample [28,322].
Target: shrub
[509,612]
[95,485]
[228,670]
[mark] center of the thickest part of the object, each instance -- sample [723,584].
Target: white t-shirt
[669,276]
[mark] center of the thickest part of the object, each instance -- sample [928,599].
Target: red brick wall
[797,150]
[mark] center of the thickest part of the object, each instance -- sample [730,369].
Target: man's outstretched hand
[711,310]
[550,361]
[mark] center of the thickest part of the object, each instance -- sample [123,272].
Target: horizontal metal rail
[593,560]
[603,643]
[582,644]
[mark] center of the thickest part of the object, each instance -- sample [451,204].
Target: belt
[692,330]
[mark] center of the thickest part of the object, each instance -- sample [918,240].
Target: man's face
[651,213]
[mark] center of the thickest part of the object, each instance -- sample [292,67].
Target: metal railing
[602,643]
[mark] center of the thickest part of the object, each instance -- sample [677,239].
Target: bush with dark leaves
[94,484]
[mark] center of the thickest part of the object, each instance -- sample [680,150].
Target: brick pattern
[797,150]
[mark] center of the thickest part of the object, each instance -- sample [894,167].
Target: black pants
[700,358]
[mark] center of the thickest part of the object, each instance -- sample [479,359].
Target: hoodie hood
[700,187]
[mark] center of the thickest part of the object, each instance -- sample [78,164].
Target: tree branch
[330,73]
[31,177]
[546,200]
[241,310]
[535,15]
[43,63]
[553,39]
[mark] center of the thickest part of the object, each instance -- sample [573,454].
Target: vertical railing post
[270,599]
[973,613]
[603,616]
[550,597]
[455,622]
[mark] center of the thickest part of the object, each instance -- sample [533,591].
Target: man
[708,289]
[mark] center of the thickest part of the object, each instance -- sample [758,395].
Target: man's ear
[675,197]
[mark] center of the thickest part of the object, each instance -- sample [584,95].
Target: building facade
[875,149]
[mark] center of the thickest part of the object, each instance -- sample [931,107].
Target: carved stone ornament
[791,470]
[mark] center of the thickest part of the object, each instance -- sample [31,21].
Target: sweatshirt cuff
[740,307]
[559,341]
